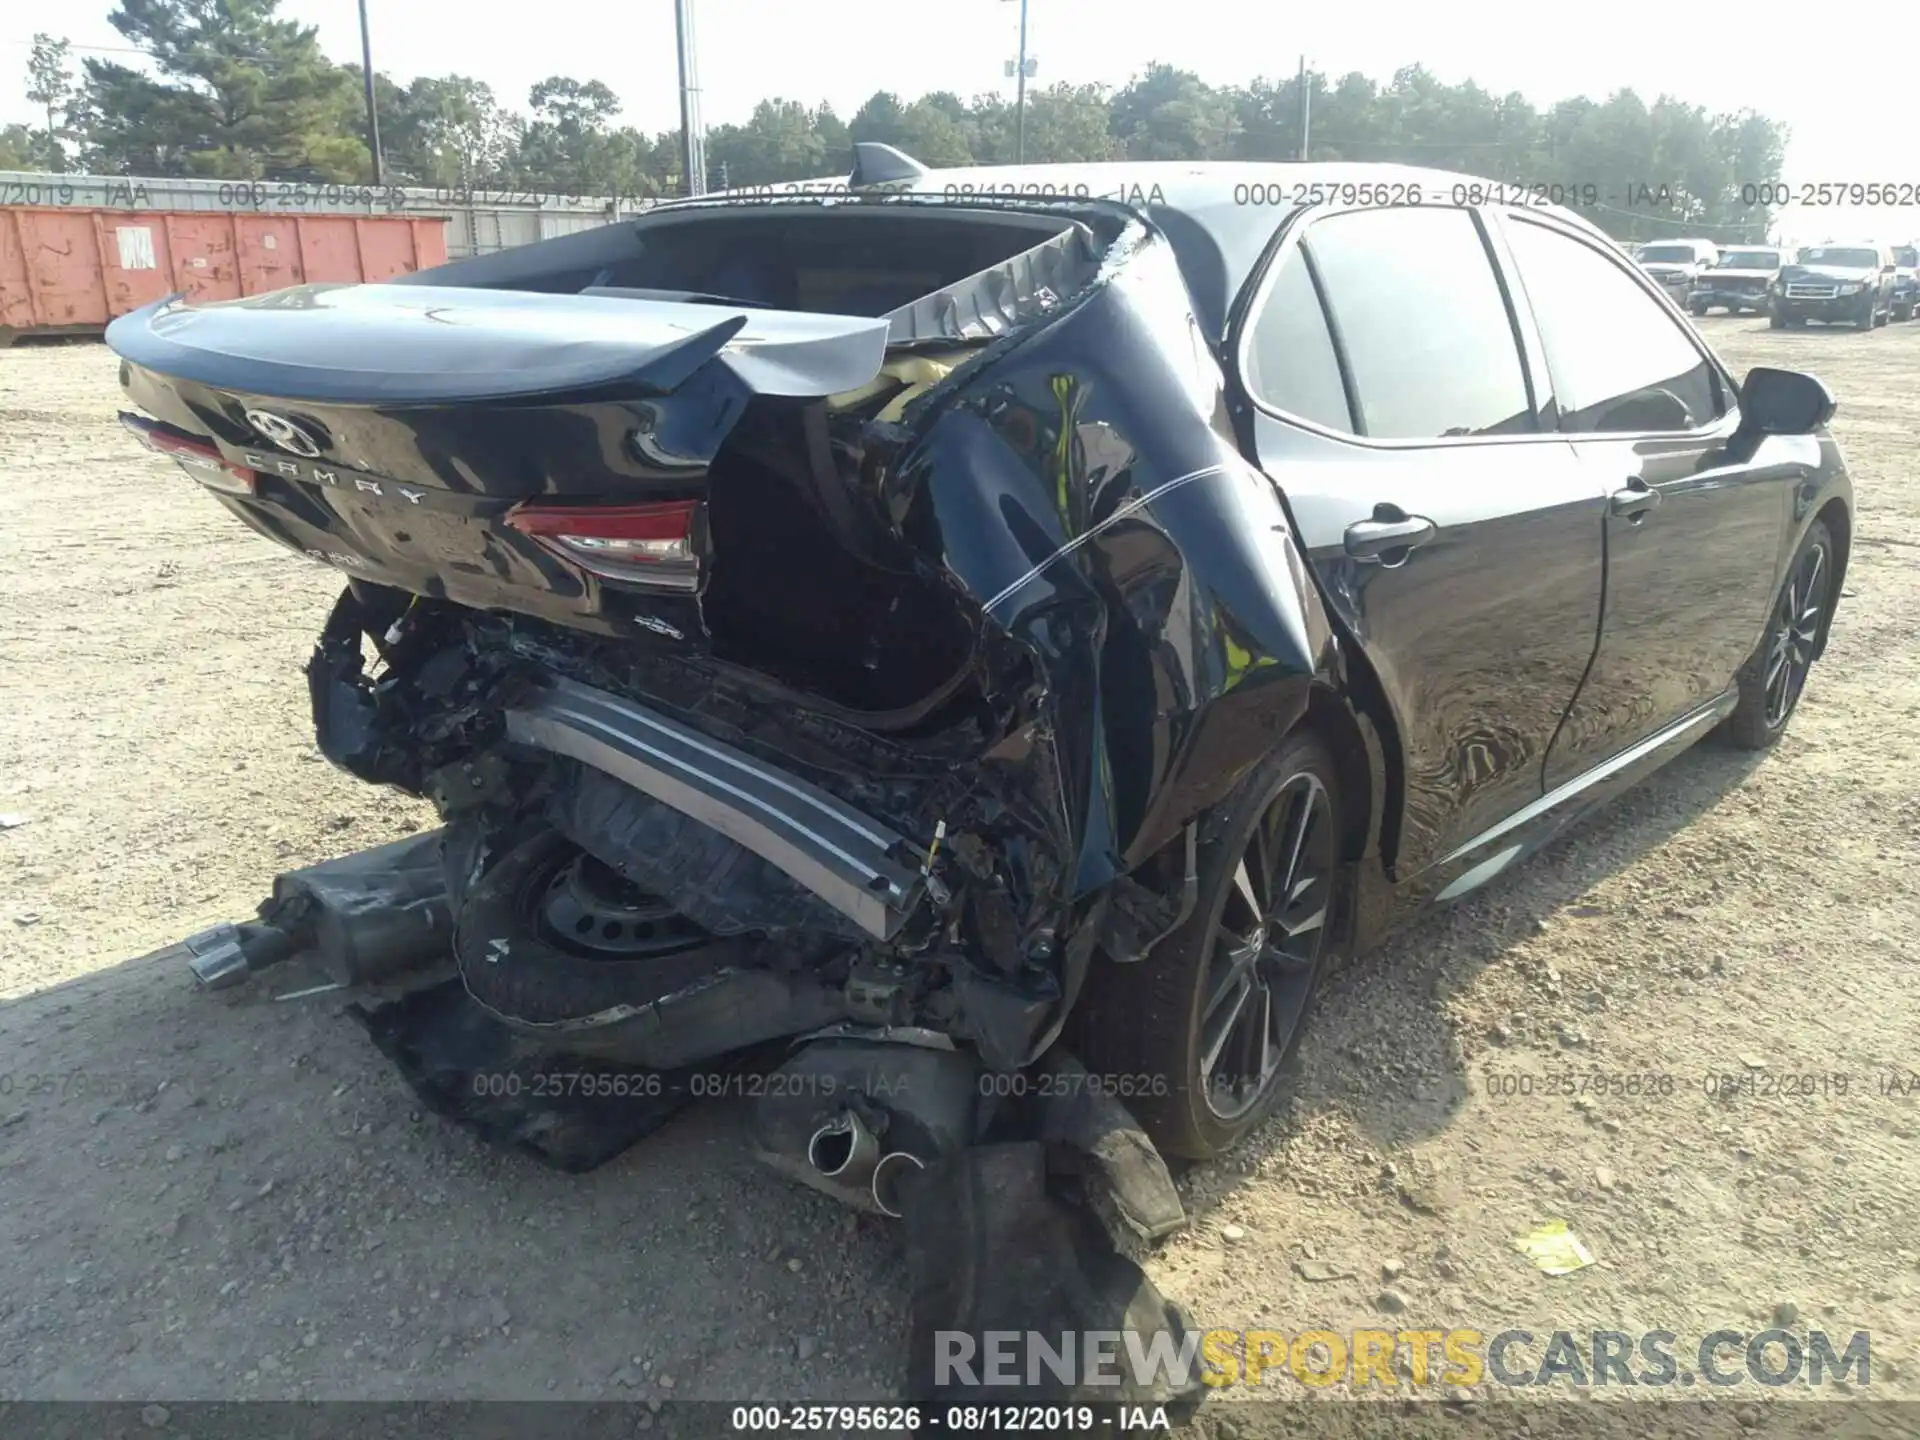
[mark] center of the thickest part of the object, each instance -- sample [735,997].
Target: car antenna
[877,164]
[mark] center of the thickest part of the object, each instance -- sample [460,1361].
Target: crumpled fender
[1082,484]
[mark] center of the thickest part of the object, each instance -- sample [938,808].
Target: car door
[1459,544]
[1695,529]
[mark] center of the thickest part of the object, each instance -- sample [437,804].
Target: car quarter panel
[1083,484]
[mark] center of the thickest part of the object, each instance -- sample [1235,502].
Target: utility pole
[1022,68]
[1020,95]
[1306,108]
[366,73]
[693,145]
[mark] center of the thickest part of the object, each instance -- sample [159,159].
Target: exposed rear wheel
[1204,1023]
[548,935]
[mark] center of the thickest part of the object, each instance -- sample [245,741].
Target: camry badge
[294,438]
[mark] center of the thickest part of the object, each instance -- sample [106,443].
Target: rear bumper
[847,859]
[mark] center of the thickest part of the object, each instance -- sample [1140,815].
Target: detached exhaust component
[841,855]
[367,917]
[887,1177]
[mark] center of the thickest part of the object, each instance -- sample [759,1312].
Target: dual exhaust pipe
[846,1154]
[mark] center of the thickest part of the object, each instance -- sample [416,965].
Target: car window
[1417,315]
[1619,361]
[1290,362]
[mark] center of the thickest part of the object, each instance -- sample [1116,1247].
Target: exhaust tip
[216,959]
[887,1175]
[844,1149]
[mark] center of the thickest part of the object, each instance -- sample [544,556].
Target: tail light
[199,458]
[656,545]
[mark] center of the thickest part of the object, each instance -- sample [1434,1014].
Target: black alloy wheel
[1266,947]
[1772,681]
[1794,633]
[1199,1030]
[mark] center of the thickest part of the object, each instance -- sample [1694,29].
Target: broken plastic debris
[315,990]
[12,821]
[1555,1250]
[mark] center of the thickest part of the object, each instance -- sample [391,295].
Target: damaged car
[959,620]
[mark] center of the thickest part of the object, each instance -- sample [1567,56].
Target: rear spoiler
[414,345]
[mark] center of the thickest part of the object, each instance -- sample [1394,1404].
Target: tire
[1775,322]
[523,970]
[1696,307]
[1149,1020]
[1793,632]
[1866,320]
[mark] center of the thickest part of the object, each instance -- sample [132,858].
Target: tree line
[237,93]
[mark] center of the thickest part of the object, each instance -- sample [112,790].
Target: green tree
[1065,124]
[781,141]
[1169,114]
[567,146]
[50,86]
[879,120]
[238,94]
[447,130]
[17,148]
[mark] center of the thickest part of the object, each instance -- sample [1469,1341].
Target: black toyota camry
[1008,612]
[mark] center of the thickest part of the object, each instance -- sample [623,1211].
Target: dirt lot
[236,1197]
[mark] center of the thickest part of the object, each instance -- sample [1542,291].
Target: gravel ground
[230,1197]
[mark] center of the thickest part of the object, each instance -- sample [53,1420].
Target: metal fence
[478,220]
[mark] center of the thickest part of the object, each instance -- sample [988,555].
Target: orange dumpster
[69,271]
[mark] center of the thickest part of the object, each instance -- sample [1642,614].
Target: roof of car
[1219,214]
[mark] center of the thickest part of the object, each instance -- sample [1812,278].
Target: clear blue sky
[1847,117]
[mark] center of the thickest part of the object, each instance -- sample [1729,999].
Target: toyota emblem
[294,438]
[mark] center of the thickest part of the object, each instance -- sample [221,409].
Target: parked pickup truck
[1674,263]
[1738,280]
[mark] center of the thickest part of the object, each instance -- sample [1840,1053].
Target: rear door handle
[1635,500]
[1370,539]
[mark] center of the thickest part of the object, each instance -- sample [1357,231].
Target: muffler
[366,917]
[854,1114]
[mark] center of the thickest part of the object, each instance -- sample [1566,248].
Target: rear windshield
[1681,253]
[1750,260]
[1856,259]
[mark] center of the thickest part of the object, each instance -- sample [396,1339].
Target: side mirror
[1783,402]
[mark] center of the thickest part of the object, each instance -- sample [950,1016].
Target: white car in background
[1675,263]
